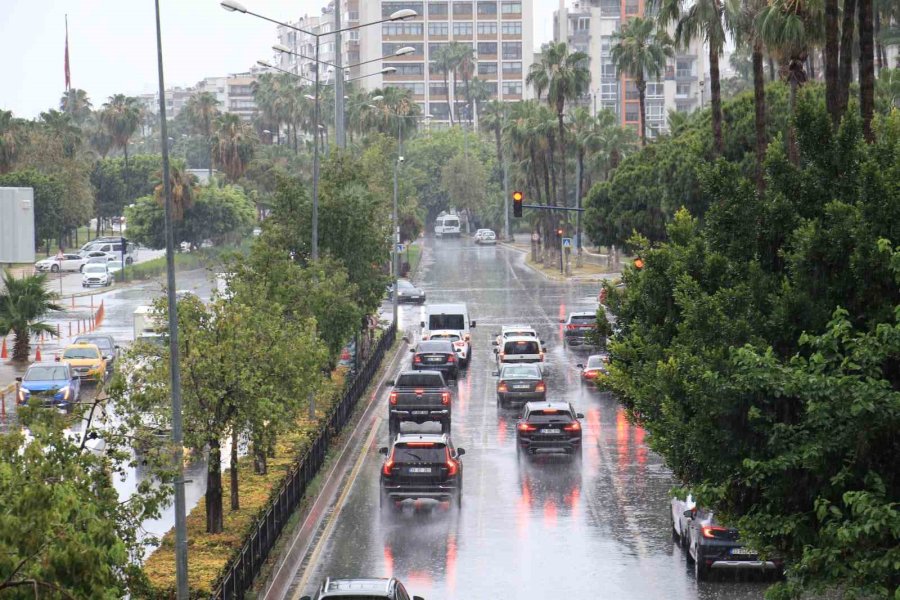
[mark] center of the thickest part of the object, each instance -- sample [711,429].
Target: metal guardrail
[259,543]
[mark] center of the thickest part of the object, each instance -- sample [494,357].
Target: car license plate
[521,387]
[420,412]
[743,551]
[435,359]
[420,470]
[550,431]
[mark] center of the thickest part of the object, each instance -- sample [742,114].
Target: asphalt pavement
[530,529]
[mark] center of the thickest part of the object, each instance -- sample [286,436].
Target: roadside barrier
[241,573]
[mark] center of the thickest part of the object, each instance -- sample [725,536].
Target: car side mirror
[580,366]
[19,379]
[383,450]
[390,383]
[495,373]
[496,350]
[579,415]
[118,347]
[56,359]
[472,324]
[412,350]
[689,514]
[495,343]
[460,451]
[421,323]
[562,320]
[414,598]
[497,335]
[543,343]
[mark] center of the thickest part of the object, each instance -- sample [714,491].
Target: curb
[598,277]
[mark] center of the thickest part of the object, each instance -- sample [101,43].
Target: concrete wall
[16,225]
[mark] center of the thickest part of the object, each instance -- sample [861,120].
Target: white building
[589,25]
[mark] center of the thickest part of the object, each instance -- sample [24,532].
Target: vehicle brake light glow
[502,388]
[452,465]
[417,359]
[502,354]
[451,358]
[571,327]
[526,427]
[590,374]
[388,465]
[445,398]
[549,411]
[420,444]
[540,387]
[711,531]
[573,426]
[420,391]
[393,397]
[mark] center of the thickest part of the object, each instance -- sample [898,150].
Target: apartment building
[239,94]
[589,25]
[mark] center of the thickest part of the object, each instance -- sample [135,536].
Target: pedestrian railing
[8,417]
[246,566]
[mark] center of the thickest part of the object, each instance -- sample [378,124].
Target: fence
[8,417]
[246,566]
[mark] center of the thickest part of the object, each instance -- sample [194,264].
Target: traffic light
[518,198]
[638,263]
[559,232]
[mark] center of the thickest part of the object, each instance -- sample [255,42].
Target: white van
[114,248]
[446,226]
[520,349]
[446,316]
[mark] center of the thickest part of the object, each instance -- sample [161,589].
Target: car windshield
[521,347]
[521,372]
[46,373]
[457,322]
[405,285]
[549,415]
[81,353]
[97,268]
[430,453]
[584,319]
[100,342]
[596,362]
[435,346]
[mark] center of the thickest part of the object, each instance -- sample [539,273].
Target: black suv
[581,329]
[368,589]
[436,355]
[422,466]
[713,546]
[551,427]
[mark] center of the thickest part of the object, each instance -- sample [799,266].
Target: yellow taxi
[85,360]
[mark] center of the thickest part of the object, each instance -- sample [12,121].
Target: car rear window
[521,347]
[81,353]
[521,372]
[584,319]
[102,343]
[456,322]
[523,333]
[423,380]
[433,453]
[451,337]
[550,416]
[595,362]
[435,346]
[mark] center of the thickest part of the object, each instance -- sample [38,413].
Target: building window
[437,89]
[487,48]
[656,111]
[389,48]
[488,68]
[439,110]
[437,9]
[512,88]
[464,28]
[512,50]
[632,112]
[435,47]
[631,91]
[684,67]
[609,91]
[240,90]
[438,29]
[631,8]
[511,8]
[583,24]
[654,89]
[461,9]
[416,88]
[405,68]
[487,28]
[514,28]
[605,44]
[682,90]
[608,70]
[610,8]
[408,29]
[512,68]
[389,8]
[487,8]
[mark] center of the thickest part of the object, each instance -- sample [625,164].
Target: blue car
[55,383]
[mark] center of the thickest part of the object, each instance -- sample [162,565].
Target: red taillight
[459,344]
[502,354]
[573,426]
[452,466]
[388,465]
[419,391]
[590,374]
[571,327]
[417,359]
[420,444]
[540,387]
[526,427]
[445,398]
[451,358]
[542,356]
[502,388]
[393,397]
[712,531]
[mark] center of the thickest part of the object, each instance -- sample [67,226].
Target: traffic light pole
[505,202]
[543,207]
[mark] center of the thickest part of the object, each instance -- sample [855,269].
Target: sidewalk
[591,270]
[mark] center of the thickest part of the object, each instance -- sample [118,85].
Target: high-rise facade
[589,26]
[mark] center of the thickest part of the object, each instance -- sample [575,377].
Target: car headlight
[64,392]
[23,395]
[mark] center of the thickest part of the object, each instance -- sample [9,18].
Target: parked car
[520,350]
[422,466]
[96,274]
[107,345]
[69,262]
[712,546]
[580,329]
[549,427]
[436,355]
[595,371]
[419,397]
[367,589]
[96,241]
[112,247]
[54,383]
[85,360]
[460,344]
[520,383]
[96,256]
[407,292]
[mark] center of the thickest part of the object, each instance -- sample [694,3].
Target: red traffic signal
[638,263]
[518,198]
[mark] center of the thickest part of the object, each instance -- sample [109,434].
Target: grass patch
[414,256]
[205,258]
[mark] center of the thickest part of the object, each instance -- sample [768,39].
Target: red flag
[68,74]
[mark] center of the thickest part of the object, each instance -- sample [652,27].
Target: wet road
[538,528]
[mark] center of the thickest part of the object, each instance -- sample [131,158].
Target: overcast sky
[112,44]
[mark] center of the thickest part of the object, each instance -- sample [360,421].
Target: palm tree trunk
[771,69]
[866,68]
[235,498]
[21,345]
[125,172]
[468,98]
[879,48]
[845,68]
[832,50]
[715,90]
[642,86]
[447,87]
[793,154]
[759,101]
[563,197]
[214,518]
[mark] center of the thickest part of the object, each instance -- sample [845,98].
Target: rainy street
[528,528]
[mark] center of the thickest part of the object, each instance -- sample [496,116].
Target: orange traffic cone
[3,352]
[37,354]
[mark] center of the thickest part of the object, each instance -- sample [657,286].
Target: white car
[479,234]
[514,331]
[488,238]
[69,262]
[680,522]
[460,344]
[96,274]
[97,256]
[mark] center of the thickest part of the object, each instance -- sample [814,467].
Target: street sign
[401,248]
[567,242]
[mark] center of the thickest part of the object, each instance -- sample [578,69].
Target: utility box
[16,225]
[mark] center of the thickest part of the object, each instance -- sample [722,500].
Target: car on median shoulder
[407,292]
[55,383]
[595,371]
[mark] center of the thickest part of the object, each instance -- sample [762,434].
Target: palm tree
[23,305]
[61,126]
[640,49]
[232,145]
[564,76]
[445,60]
[392,114]
[182,184]
[9,146]
[706,20]
[616,143]
[76,103]
[479,92]
[120,117]
[202,110]
[493,119]
[866,67]
[464,61]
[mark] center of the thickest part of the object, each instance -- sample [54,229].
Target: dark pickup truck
[419,397]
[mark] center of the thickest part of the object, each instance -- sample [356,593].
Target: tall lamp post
[235,6]
[181,572]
